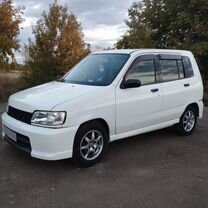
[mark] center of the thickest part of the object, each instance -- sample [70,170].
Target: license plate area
[11,134]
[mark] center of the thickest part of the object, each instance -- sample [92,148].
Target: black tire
[181,127]
[82,133]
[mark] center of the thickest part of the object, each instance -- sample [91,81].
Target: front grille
[22,143]
[19,114]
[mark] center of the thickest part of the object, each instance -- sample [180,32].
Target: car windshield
[96,69]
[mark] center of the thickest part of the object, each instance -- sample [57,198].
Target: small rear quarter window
[188,69]
[180,69]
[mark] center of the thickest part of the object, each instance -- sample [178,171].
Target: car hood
[47,96]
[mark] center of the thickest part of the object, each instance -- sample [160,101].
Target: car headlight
[48,118]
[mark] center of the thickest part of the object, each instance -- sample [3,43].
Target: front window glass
[97,69]
[143,71]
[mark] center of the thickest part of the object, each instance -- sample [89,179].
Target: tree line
[57,46]
[59,40]
[169,24]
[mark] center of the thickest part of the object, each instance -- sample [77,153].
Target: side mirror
[130,83]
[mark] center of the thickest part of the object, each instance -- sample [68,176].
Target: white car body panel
[46,96]
[97,105]
[137,108]
[127,112]
[47,144]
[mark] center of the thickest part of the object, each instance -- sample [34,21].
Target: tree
[58,46]
[171,24]
[10,20]
[139,33]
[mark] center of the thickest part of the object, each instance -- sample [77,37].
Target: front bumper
[46,143]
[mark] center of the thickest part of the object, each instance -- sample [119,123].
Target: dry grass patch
[8,86]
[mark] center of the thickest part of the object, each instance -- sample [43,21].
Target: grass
[13,74]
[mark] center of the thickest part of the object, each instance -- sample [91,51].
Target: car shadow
[119,148]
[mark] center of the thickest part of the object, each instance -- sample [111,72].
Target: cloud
[104,35]
[94,12]
[102,21]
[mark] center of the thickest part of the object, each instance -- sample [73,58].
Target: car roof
[138,51]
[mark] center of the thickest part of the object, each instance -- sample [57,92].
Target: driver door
[140,107]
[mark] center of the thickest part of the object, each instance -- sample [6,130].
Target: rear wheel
[90,144]
[187,122]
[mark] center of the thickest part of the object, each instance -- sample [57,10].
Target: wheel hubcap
[91,145]
[188,121]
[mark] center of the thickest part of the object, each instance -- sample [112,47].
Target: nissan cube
[108,96]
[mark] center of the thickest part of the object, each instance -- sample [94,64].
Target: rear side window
[187,67]
[169,70]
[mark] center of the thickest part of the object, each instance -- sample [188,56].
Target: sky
[102,20]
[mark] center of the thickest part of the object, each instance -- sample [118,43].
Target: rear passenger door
[176,77]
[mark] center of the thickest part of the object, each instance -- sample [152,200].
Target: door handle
[154,90]
[186,85]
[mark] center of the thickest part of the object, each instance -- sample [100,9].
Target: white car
[108,96]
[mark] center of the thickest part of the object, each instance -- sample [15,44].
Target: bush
[8,86]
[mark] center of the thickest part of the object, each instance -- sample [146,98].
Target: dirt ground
[158,169]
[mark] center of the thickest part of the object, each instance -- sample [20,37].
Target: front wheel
[187,122]
[90,144]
